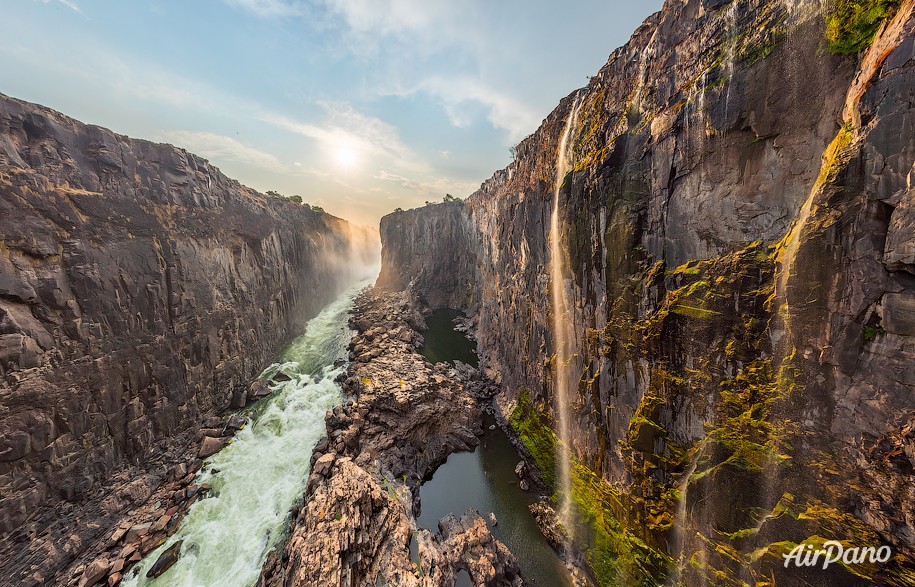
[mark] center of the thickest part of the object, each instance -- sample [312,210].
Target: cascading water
[227,536]
[566,378]
[682,518]
[731,41]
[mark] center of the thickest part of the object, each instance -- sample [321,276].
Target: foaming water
[563,330]
[256,479]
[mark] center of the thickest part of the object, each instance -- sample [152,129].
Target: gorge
[692,294]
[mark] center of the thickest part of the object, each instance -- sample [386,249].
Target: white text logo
[805,555]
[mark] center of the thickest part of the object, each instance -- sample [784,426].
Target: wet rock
[165,560]
[210,446]
[95,572]
[324,464]
[238,398]
[258,390]
[138,531]
[548,521]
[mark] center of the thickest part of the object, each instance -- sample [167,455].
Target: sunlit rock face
[140,290]
[747,377]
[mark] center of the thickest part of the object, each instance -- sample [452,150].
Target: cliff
[739,229]
[140,291]
[433,254]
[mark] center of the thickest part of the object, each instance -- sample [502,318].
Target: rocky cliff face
[140,290]
[738,223]
[433,254]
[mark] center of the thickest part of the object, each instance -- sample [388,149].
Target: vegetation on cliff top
[852,24]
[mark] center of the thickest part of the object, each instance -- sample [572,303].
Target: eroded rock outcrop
[140,291]
[358,519]
[738,227]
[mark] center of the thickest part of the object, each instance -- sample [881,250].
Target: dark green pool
[485,480]
[444,343]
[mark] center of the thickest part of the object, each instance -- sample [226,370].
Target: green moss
[694,312]
[535,433]
[852,24]
[870,332]
[616,553]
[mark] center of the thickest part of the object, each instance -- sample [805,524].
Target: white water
[566,379]
[228,535]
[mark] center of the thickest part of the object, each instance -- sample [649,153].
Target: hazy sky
[360,106]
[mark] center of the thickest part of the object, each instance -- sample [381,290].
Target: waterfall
[227,536]
[682,518]
[731,15]
[566,378]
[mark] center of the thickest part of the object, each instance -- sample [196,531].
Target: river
[260,476]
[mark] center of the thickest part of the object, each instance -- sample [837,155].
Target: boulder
[258,389]
[95,572]
[210,446]
[165,560]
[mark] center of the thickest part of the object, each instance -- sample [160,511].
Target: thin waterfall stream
[566,378]
[226,537]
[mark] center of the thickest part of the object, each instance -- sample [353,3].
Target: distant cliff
[739,225]
[433,253]
[140,290]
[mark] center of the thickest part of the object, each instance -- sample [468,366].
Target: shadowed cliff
[140,291]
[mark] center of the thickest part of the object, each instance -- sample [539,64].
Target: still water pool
[485,478]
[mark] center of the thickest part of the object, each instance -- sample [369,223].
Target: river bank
[358,521]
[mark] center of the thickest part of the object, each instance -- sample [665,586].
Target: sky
[359,106]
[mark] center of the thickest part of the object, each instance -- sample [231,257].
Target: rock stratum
[140,292]
[739,228]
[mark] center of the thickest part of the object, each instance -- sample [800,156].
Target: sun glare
[345,157]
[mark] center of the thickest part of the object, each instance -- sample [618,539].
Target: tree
[398,209]
[297,199]
[317,208]
[450,198]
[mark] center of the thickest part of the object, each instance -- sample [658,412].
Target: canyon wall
[739,226]
[140,291]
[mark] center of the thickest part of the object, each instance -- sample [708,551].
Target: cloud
[68,3]
[503,111]
[388,17]
[346,128]
[435,186]
[223,148]
[415,34]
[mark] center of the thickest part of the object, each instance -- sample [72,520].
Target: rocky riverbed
[406,416]
[129,517]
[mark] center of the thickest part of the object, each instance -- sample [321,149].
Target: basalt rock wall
[739,232]
[140,290]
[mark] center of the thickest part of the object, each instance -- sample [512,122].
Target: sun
[346,157]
